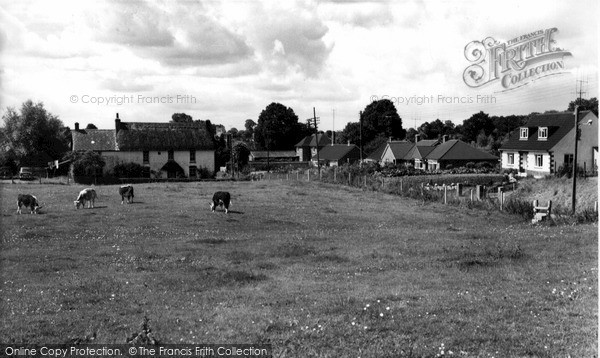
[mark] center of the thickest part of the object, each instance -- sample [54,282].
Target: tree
[473,126]
[33,131]
[380,118]
[181,118]
[87,163]
[351,133]
[585,105]
[436,129]
[91,126]
[410,134]
[241,154]
[278,128]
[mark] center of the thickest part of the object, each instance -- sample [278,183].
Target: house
[395,152]
[375,156]
[546,142]
[456,153]
[164,149]
[419,152]
[338,154]
[307,147]
[273,156]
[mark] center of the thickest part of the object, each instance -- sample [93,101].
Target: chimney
[444,138]
[117,124]
[348,142]
[76,126]
[416,138]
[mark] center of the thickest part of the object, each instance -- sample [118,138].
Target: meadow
[316,270]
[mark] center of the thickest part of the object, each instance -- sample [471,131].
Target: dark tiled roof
[94,139]
[377,153]
[400,149]
[428,142]
[457,150]
[163,136]
[559,124]
[336,151]
[310,141]
[418,152]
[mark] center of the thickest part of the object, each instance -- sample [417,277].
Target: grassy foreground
[315,269]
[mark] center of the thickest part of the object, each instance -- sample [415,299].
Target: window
[543,133]
[192,156]
[524,133]
[192,172]
[568,160]
[539,160]
[146,157]
[146,172]
[511,158]
[171,155]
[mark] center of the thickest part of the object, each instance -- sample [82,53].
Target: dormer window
[524,133]
[543,133]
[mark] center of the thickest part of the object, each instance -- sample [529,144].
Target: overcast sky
[227,60]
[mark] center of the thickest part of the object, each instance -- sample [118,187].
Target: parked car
[26,176]
[26,173]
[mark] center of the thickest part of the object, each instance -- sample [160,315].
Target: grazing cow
[88,195]
[126,191]
[29,201]
[221,198]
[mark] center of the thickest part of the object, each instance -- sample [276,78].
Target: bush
[470,165]
[519,207]
[204,173]
[128,170]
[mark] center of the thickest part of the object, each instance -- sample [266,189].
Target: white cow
[88,195]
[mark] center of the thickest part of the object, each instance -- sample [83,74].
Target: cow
[126,191]
[221,198]
[29,201]
[88,195]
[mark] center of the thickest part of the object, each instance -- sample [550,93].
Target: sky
[227,60]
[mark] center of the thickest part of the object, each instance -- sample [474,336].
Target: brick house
[164,149]
[307,147]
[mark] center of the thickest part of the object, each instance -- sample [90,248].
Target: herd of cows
[88,195]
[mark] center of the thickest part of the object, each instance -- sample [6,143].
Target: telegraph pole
[317,139]
[573,198]
[360,131]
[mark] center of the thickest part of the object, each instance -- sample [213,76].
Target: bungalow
[456,153]
[307,147]
[166,149]
[418,153]
[338,154]
[546,142]
[395,152]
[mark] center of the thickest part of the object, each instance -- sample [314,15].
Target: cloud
[289,38]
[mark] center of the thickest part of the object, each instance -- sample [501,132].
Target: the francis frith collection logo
[516,62]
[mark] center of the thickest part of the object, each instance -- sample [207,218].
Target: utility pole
[333,129]
[317,139]
[360,131]
[573,199]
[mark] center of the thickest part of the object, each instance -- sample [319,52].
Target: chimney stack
[416,138]
[444,137]
[117,124]
[76,126]
[348,142]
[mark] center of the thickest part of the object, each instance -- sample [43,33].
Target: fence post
[445,194]
[365,181]
[471,194]
[500,197]
[334,174]
[298,175]
[349,179]
[401,186]
[459,189]
[596,206]
[308,175]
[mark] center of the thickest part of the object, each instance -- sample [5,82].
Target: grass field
[316,270]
